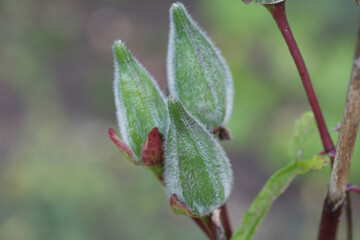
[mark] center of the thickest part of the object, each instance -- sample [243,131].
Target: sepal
[152,151]
[121,145]
[223,133]
[179,207]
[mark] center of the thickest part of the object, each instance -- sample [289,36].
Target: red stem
[329,219]
[353,188]
[225,221]
[329,222]
[203,223]
[203,227]
[349,221]
[278,12]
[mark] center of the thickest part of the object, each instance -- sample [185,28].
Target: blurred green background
[61,178]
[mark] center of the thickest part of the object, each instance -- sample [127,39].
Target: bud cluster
[175,139]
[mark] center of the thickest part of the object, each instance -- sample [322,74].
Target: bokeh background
[61,178]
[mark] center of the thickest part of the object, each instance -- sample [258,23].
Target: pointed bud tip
[172,102]
[176,7]
[118,44]
[172,99]
[121,52]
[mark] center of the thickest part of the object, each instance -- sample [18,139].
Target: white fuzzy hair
[119,102]
[172,170]
[170,62]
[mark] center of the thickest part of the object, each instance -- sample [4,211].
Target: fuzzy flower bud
[197,73]
[198,175]
[140,104]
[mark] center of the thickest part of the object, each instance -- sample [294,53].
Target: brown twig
[348,132]
[344,151]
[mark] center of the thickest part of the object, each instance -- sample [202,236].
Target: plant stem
[203,227]
[216,224]
[348,216]
[329,222]
[204,223]
[225,222]
[348,132]
[353,188]
[278,12]
[330,217]
[339,176]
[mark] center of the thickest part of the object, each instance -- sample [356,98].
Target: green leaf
[197,73]
[304,129]
[140,105]
[315,163]
[278,182]
[197,175]
[273,188]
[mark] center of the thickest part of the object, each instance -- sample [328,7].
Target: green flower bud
[140,105]
[197,172]
[197,73]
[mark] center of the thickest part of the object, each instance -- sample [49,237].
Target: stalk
[203,226]
[225,221]
[330,216]
[278,12]
[348,132]
[203,223]
[349,223]
[329,222]
[339,176]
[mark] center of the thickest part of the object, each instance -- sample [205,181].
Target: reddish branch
[330,215]
[353,188]
[203,227]
[225,221]
[349,222]
[329,222]
[278,12]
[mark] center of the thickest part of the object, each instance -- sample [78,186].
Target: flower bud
[197,73]
[197,172]
[140,105]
